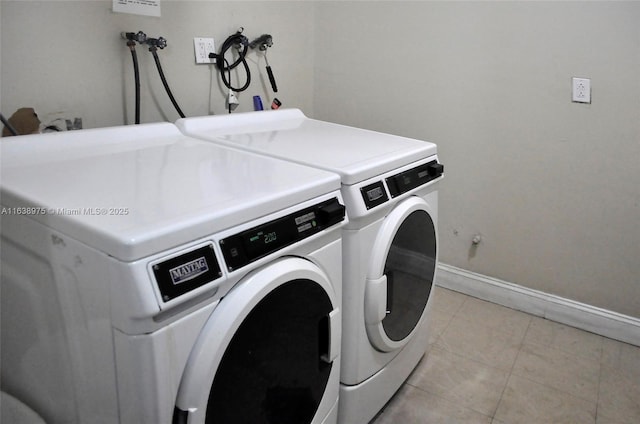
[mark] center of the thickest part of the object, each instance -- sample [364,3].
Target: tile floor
[491,364]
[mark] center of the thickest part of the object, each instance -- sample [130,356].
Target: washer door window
[266,353]
[401,275]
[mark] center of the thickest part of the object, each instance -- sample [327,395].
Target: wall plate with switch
[581,90]
[202,47]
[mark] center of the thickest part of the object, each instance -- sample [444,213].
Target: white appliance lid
[356,154]
[137,190]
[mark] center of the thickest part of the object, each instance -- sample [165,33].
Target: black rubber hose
[136,75]
[164,82]
[272,79]
[228,83]
[224,66]
[8,125]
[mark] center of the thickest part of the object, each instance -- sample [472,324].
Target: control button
[436,169]
[331,213]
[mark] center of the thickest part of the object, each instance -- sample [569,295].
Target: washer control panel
[249,245]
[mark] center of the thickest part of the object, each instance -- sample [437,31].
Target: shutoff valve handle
[139,36]
[159,42]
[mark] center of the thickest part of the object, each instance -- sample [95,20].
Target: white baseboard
[586,317]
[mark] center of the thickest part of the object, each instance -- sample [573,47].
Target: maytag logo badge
[188,271]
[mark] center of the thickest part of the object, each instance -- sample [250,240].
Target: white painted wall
[552,186]
[67,59]
[0,57]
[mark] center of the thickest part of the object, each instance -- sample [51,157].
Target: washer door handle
[375,300]
[333,329]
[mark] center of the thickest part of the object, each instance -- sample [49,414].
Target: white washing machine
[389,185]
[148,277]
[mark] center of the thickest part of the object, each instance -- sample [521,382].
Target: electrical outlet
[202,47]
[581,90]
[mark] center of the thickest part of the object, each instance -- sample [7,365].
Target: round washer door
[266,352]
[401,274]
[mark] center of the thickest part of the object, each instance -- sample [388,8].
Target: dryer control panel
[415,177]
[250,245]
[375,194]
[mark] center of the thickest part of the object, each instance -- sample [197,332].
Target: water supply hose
[131,38]
[154,45]
[136,76]
[272,79]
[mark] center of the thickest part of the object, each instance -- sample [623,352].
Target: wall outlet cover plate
[202,47]
[581,90]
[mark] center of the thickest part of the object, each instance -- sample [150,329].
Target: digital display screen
[265,238]
[247,246]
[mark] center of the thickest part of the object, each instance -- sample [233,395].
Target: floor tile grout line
[568,354]
[509,371]
[504,331]
[601,338]
[518,345]
[466,299]
[449,320]
[504,388]
[600,378]
[436,345]
[559,349]
[580,398]
[450,401]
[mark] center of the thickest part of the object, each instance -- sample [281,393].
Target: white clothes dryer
[389,185]
[148,277]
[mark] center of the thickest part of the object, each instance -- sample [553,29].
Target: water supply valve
[139,36]
[262,43]
[159,42]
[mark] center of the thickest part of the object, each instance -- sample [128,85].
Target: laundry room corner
[541,191]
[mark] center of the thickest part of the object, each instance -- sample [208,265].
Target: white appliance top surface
[356,154]
[136,190]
